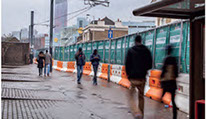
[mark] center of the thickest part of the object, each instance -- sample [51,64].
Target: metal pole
[125,42]
[51,30]
[180,46]
[109,60]
[103,51]
[31,29]
[155,38]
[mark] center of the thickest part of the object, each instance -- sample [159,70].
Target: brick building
[98,30]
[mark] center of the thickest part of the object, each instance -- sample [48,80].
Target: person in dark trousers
[95,58]
[80,61]
[40,60]
[47,63]
[138,62]
[31,56]
[168,77]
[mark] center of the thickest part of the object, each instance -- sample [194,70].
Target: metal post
[180,47]
[125,42]
[31,29]
[51,30]
[103,51]
[109,60]
[153,59]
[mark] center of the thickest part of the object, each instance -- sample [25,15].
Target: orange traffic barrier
[59,65]
[154,82]
[155,73]
[167,98]
[104,72]
[70,67]
[154,93]
[87,69]
[124,81]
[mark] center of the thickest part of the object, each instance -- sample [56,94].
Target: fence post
[125,42]
[103,51]
[153,57]
[180,46]
[109,60]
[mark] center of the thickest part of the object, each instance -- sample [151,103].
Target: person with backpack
[41,62]
[138,62]
[95,58]
[168,77]
[80,62]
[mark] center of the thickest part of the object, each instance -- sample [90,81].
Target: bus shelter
[194,10]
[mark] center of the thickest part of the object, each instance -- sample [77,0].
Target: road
[25,95]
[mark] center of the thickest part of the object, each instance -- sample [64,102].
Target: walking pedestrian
[138,62]
[80,61]
[40,60]
[95,58]
[47,63]
[168,77]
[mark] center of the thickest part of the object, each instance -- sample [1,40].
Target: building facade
[135,27]
[98,30]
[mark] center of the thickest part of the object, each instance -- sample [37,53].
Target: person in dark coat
[138,62]
[95,58]
[40,60]
[168,77]
[80,61]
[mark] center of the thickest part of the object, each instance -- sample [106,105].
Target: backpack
[81,59]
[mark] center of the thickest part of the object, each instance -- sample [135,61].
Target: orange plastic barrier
[154,93]
[70,67]
[124,81]
[104,74]
[155,73]
[87,69]
[154,82]
[59,65]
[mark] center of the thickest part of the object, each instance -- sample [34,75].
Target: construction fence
[155,39]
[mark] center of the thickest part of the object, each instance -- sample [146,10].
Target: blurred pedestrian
[47,63]
[138,62]
[168,77]
[40,60]
[31,56]
[95,58]
[80,61]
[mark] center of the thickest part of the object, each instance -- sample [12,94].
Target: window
[80,23]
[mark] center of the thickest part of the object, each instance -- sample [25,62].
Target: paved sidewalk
[25,95]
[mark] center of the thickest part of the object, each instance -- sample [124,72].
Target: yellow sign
[80,30]
[55,39]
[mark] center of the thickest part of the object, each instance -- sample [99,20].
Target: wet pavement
[25,95]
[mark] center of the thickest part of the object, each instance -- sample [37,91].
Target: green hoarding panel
[149,40]
[101,49]
[89,51]
[95,45]
[66,53]
[112,53]
[71,55]
[106,58]
[56,53]
[175,30]
[161,42]
[119,51]
[188,50]
[61,53]
[183,67]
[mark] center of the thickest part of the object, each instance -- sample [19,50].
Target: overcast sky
[16,13]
